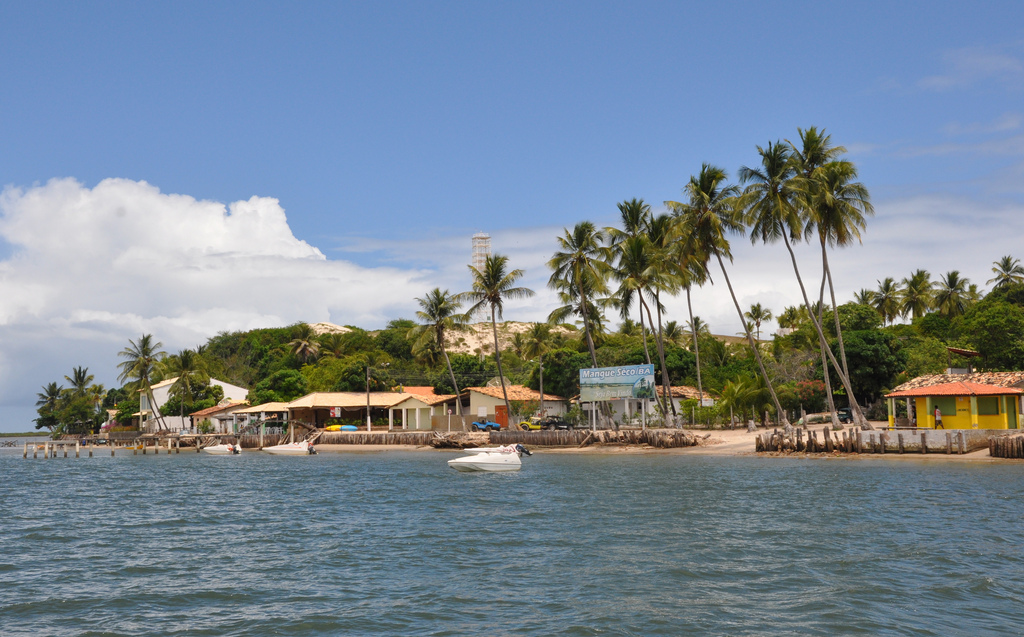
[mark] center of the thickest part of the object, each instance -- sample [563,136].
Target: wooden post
[35,451]
[46,449]
[135,448]
[112,445]
[78,446]
[899,439]
[949,443]
[177,445]
[800,440]
[961,447]
[65,448]
[883,438]
[924,443]
[25,455]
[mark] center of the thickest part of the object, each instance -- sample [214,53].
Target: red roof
[958,388]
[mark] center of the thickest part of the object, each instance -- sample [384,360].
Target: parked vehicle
[533,424]
[845,415]
[486,425]
[555,422]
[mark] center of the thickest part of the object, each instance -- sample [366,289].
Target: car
[554,422]
[531,424]
[845,415]
[485,425]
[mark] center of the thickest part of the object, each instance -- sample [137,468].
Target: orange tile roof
[209,411]
[419,391]
[515,392]
[999,379]
[957,388]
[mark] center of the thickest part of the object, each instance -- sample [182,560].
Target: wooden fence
[660,438]
[1006,447]
[912,440]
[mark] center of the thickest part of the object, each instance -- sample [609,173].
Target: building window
[946,405]
[988,405]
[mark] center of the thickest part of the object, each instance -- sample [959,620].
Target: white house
[161,393]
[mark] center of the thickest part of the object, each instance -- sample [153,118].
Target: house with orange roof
[489,402]
[962,401]
[224,417]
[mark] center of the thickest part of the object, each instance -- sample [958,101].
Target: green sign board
[611,383]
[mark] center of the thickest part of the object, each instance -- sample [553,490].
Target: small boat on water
[223,449]
[505,458]
[301,448]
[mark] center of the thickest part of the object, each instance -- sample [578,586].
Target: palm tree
[863,296]
[887,300]
[491,286]
[332,344]
[916,298]
[674,333]
[772,203]
[140,361]
[757,315]
[440,314]
[1007,270]
[190,371]
[691,269]
[662,234]
[706,218]
[579,264]
[538,342]
[304,343]
[951,295]
[80,379]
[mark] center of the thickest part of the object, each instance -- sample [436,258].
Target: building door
[501,415]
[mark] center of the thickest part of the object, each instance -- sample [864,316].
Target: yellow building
[962,405]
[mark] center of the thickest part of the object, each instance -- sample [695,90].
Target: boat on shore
[504,458]
[301,448]
[223,449]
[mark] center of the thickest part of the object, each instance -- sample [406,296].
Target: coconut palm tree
[709,215]
[951,294]
[691,269]
[332,344]
[189,372]
[439,312]
[662,235]
[537,343]
[139,364]
[1007,270]
[757,315]
[580,264]
[886,300]
[864,296]
[304,343]
[79,379]
[492,285]
[675,333]
[772,203]
[916,298]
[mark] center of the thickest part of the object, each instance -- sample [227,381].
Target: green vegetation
[829,354]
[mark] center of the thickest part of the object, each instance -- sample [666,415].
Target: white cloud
[109,263]
[968,66]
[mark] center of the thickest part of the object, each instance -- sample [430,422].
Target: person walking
[938,418]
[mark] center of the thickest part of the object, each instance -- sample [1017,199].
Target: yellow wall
[962,419]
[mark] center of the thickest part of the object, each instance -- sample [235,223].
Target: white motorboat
[223,449]
[301,448]
[505,458]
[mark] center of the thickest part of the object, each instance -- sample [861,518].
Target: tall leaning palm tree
[440,314]
[951,294]
[139,364]
[579,264]
[492,285]
[1007,270]
[705,220]
[539,342]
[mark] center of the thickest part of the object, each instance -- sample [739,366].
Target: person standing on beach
[938,418]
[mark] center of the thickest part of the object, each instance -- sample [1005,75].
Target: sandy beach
[720,442]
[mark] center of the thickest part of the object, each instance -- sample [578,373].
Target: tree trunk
[665,395]
[660,340]
[757,353]
[455,385]
[542,385]
[835,308]
[643,332]
[858,416]
[497,358]
[696,349]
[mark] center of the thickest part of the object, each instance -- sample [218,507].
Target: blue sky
[387,133]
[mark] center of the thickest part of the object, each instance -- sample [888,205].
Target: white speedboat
[506,458]
[302,448]
[223,450]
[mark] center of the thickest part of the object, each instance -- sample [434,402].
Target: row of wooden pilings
[52,448]
[1006,447]
[851,442]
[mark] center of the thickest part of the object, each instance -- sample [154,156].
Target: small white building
[161,393]
[490,402]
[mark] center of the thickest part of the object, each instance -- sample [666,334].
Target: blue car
[486,425]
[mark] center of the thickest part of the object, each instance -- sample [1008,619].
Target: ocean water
[396,543]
